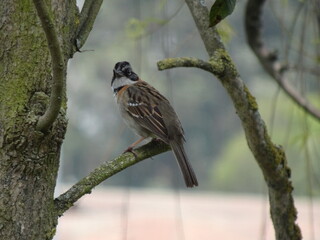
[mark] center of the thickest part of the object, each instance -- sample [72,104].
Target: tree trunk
[29,159]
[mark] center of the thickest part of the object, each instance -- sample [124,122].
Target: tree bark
[31,78]
[29,159]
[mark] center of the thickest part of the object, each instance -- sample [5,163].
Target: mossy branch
[106,170]
[88,16]
[270,157]
[58,67]
[189,62]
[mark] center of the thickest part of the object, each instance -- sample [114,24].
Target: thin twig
[311,70]
[88,16]
[106,170]
[58,67]
[268,58]
[163,23]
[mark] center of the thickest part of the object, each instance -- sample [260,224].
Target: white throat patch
[120,82]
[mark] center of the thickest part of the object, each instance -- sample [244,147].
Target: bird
[146,111]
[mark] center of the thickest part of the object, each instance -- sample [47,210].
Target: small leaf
[219,10]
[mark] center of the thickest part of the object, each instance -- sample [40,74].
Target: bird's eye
[129,72]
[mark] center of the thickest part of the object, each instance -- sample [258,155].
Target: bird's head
[122,76]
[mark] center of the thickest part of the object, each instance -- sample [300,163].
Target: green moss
[276,169]
[217,61]
[223,64]
[253,105]
[50,234]
[26,5]
[13,94]
[24,66]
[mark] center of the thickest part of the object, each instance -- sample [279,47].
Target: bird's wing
[142,105]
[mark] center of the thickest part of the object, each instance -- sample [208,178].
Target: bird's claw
[130,150]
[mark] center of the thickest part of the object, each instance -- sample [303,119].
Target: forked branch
[270,157]
[58,67]
[88,16]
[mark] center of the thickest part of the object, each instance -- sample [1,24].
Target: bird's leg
[157,140]
[130,148]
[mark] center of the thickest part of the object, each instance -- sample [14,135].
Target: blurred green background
[144,32]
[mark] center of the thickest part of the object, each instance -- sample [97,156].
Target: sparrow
[150,114]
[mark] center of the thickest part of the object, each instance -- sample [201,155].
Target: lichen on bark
[29,160]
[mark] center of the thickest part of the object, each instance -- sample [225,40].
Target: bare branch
[268,58]
[270,157]
[58,67]
[88,16]
[106,170]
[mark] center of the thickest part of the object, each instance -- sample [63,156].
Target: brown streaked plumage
[150,114]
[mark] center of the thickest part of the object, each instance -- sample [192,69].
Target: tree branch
[200,14]
[106,170]
[268,58]
[88,16]
[270,157]
[188,62]
[58,67]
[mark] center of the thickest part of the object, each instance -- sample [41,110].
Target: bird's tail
[185,167]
